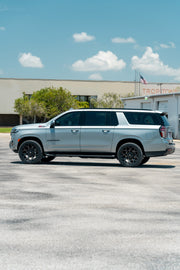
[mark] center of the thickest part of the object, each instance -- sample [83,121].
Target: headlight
[14,130]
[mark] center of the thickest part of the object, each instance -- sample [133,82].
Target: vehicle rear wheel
[30,152]
[145,159]
[130,155]
[47,159]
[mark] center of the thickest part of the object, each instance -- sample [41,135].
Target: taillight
[163,131]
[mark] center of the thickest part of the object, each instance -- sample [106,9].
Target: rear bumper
[170,150]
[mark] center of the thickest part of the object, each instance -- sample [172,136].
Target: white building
[11,89]
[158,96]
[169,103]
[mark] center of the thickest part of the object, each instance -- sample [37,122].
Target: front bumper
[12,146]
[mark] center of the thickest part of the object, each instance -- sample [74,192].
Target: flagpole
[136,82]
[139,84]
[135,77]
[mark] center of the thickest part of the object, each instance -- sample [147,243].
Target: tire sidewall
[139,153]
[144,160]
[39,152]
[46,159]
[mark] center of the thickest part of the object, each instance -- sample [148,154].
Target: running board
[81,155]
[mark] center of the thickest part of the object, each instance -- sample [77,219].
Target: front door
[65,136]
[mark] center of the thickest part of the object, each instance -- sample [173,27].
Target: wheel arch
[128,140]
[32,139]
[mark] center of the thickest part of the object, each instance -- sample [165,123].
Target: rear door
[97,131]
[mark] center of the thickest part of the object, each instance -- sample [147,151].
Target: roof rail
[134,109]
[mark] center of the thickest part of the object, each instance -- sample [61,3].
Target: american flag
[142,80]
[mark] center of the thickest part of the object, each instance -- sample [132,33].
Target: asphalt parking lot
[89,214]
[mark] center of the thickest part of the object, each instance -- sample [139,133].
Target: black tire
[145,159]
[47,159]
[30,152]
[130,155]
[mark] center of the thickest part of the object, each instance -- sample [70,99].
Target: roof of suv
[118,109]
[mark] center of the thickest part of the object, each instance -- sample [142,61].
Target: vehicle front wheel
[30,152]
[130,155]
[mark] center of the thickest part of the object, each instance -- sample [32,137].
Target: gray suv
[132,136]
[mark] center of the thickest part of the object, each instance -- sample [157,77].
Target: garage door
[146,105]
[163,106]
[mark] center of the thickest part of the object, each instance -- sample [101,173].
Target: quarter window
[138,118]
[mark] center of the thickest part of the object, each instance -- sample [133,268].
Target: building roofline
[65,80]
[152,96]
[70,80]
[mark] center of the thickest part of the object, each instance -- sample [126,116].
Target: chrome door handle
[105,131]
[74,131]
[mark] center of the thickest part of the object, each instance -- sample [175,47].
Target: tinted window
[114,121]
[69,119]
[100,118]
[140,118]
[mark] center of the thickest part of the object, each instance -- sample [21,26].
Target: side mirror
[52,124]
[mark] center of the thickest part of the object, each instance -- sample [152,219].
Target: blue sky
[90,39]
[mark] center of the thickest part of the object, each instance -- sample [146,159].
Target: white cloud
[96,77]
[102,61]
[2,28]
[150,62]
[28,60]
[123,40]
[168,46]
[82,37]
[1,71]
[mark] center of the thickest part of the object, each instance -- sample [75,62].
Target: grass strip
[5,130]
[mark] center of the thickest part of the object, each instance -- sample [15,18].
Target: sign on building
[158,88]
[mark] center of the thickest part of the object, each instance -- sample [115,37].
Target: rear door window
[100,118]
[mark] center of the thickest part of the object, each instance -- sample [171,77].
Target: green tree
[36,110]
[129,95]
[47,103]
[82,104]
[54,100]
[28,108]
[21,106]
[108,100]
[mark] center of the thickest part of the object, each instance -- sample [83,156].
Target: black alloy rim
[129,155]
[29,152]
